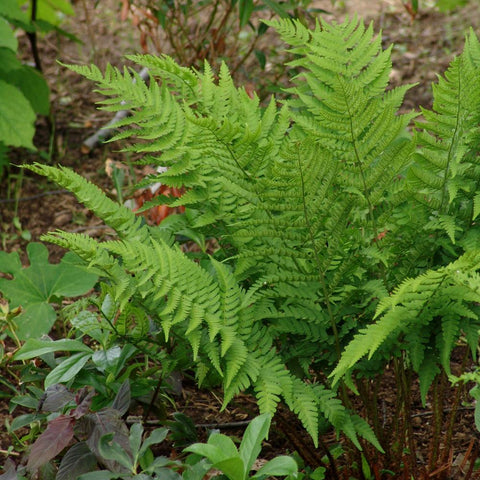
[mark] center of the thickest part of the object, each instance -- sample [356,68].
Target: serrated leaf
[35,286]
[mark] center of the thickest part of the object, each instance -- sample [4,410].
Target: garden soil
[424,46]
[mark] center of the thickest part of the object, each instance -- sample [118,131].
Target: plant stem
[32,36]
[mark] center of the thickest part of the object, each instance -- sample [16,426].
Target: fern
[337,230]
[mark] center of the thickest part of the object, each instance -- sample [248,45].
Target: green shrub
[340,230]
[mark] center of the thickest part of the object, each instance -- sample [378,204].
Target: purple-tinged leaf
[107,420]
[78,460]
[123,398]
[51,442]
[55,398]
[84,401]
[10,472]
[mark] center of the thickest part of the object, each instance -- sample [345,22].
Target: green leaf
[23,420]
[210,452]
[8,61]
[11,10]
[17,117]
[156,437]
[35,286]
[224,444]
[36,348]
[277,7]
[282,465]
[233,468]
[135,438]
[111,450]
[68,369]
[32,84]
[105,360]
[252,439]
[100,475]
[7,38]
[245,11]
[51,10]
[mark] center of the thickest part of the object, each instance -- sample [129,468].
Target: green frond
[182,79]
[427,373]
[302,399]
[363,429]
[443,164]
[273,379]
[120,218]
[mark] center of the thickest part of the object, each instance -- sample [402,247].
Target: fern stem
[438,396]
[451,149]
[358,165]
[316,253]
[454,410]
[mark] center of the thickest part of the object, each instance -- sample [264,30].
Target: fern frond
[120,218]
[444,173]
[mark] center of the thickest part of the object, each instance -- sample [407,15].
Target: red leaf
[51,442]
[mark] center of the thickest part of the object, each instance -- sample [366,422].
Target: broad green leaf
[17,118]
[7,38]
[224,444]
[32,84]
[23,420]
[105,360]
[34,287]
[10,10]
[282,465]
[210,452]
[233,468]
[90,324]
[36,348]
[111,450]
[156,437]
[135,437]
[68,369]
[53,11]
[8,62]
[252,439]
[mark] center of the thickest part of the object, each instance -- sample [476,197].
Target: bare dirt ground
[424,46]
